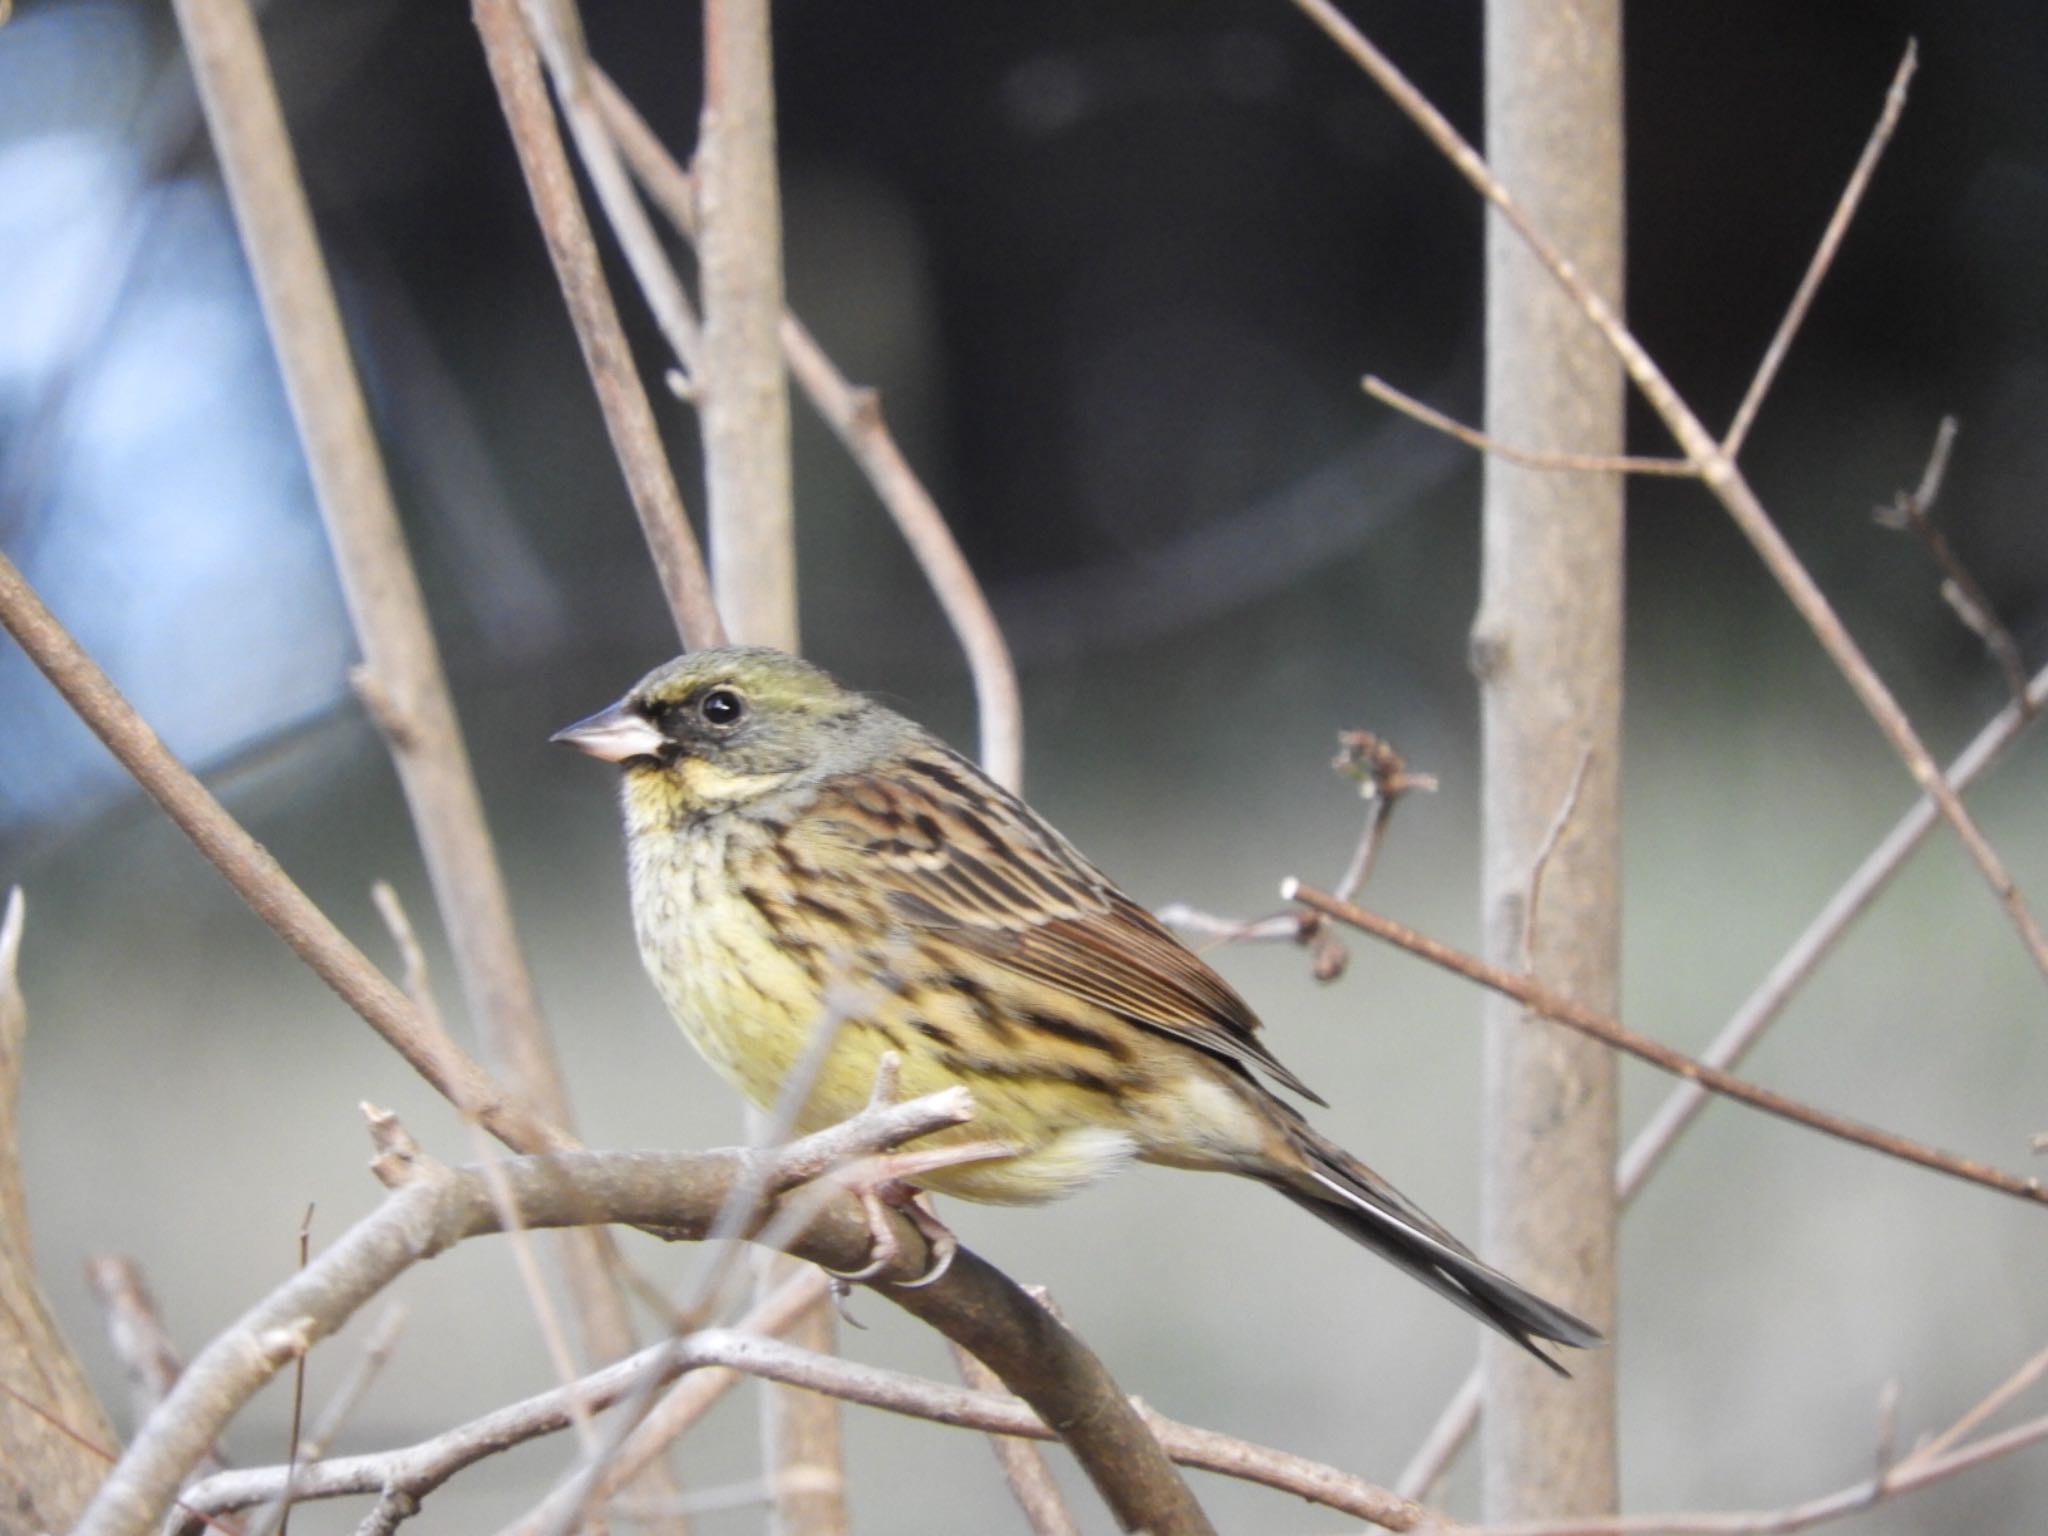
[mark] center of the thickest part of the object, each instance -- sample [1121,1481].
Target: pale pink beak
[614,734]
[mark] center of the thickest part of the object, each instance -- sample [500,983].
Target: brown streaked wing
[951,850]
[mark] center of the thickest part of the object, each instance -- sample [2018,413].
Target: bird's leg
[888,1183]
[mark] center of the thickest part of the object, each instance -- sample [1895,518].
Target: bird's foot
[885,1184]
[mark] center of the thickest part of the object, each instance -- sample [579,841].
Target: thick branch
[743,392]
[677,1192]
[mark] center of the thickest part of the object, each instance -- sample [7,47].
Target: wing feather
[953,852]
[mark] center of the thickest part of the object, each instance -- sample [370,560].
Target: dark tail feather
[1337,1187]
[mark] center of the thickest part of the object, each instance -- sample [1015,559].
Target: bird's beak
[614,734]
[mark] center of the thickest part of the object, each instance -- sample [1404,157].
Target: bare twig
[135,1330]
[1887,1427]
[577,1491]
[1717,470]
[1472,437]
[258,878]
[1824,253]
[1446,1437]
[547,1316]
[558,29]
[1542,1000]
[2013,1385]
[855,416]
[419,987]
[1540,860]
[1913,511]
[680,1407]
[1907,1477]
[283,1513]
[1383,777]
[1820,936]
[377,1351]
[629,417]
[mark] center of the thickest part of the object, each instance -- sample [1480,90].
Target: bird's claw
[885,1185]
[939,1238]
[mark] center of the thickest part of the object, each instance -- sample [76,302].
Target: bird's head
[721,728]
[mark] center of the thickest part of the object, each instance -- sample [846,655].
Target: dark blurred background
[1117,269]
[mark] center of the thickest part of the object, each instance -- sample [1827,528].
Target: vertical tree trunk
[745,401]
[1547,651]
[745,388]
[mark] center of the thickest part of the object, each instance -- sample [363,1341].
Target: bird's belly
[751,1005]
[743,1001]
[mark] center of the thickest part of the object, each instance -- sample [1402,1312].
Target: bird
[790,840]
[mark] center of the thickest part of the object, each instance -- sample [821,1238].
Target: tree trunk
[1547,651]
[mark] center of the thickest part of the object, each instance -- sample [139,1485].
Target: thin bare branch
[1782,982]
[578,1490]
[855,416]
[546,1315]
[1717,470]
[1824,253]
[418,1469]
[1525,458]
[283,1512]
[1540,860]
[1446,1437]
[1907,1477]
[1983,1409]
[1383,777]
[558,28]
[629,417]
[1542,1000]
[377,1352]
[257,877]
[678,1409]
[135,1330]
[1913,511]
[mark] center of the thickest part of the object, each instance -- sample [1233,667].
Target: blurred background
[1117,269]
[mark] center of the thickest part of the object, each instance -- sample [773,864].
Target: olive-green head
[732,723]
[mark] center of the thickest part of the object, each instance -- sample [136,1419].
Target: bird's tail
[1328,1181]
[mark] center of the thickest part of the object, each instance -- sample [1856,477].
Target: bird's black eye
[722,708]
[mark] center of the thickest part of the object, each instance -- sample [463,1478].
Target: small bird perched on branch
[789,839]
